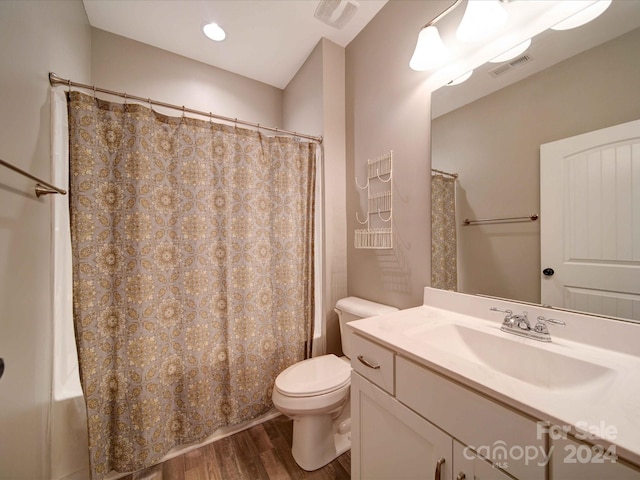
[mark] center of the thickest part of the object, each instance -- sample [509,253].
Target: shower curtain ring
[150,104]
[69,84]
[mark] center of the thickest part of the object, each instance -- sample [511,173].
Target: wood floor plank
[345,462]
[151,473]
[260,438]
[274,466]
[229,465]
[212,462]
[248,453]
[195,467]
[173,469]
[285,427]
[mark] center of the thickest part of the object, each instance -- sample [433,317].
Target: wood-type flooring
[262,452]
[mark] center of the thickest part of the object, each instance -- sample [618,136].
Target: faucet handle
[496,309]
[508,319]
[541,326]
[550,320]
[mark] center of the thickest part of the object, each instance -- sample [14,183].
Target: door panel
[590,221]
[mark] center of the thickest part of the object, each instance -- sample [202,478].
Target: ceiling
[267,40]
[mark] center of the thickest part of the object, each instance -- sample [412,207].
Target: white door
[590,221]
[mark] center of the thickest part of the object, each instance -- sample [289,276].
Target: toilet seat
[314,376]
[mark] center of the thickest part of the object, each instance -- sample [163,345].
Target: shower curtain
[192,274]
[444,273]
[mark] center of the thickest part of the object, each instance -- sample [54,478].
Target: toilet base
[318,440]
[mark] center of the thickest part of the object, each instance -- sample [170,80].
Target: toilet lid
[314,376]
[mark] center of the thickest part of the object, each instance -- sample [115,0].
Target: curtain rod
[454,175]
[54,79]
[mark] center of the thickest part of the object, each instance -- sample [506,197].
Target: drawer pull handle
[461,476]
[367,363]
[439,468]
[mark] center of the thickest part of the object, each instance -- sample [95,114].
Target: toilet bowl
[315,393]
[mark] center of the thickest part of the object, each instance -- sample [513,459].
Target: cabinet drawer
[572,459]
[510,440]
[373,362]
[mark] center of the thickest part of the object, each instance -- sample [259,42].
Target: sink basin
[525,362]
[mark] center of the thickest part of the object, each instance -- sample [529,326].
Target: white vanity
[439,391]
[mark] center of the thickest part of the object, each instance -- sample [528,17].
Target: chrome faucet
[520,325]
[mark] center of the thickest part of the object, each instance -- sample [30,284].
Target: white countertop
[608,409]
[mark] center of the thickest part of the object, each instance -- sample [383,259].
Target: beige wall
[493,143]
[314,102]
[36,37]
[388,108]
[124,65]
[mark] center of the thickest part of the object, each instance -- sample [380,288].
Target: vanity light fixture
[583,16]
[481,19]
[214,32]
[430,53]
[512,53]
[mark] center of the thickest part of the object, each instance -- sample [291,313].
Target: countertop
[604,412]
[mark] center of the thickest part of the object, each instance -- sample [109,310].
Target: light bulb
[481,19]
[430,52]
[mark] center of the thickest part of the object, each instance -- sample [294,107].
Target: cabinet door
[496,432]
[468,466]
[571,459]
[389,441]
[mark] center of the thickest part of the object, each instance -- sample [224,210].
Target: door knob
[548,272]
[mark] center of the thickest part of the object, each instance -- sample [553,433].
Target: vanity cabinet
[409,422]
[469,466]
[392,441]
[574,459]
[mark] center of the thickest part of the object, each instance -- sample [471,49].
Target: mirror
[489,130]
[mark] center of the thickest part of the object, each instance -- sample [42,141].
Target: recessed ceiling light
[214,32]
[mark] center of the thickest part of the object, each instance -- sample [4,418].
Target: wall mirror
[489,129]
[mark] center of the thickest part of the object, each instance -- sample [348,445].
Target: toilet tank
[354,308]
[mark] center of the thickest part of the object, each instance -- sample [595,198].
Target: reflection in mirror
[489,129]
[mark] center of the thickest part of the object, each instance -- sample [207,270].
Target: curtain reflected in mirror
[444,271]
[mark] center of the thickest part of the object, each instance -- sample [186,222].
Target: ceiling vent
[510,65]
[336,13]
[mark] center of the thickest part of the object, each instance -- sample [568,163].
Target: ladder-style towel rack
[532,217]
[42,187]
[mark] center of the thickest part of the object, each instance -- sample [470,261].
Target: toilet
[315,394]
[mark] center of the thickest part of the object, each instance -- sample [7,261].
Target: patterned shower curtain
[192,274]
[444,273]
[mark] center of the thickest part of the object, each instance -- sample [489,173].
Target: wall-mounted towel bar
[42,187]
[532,217]
[442,172]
